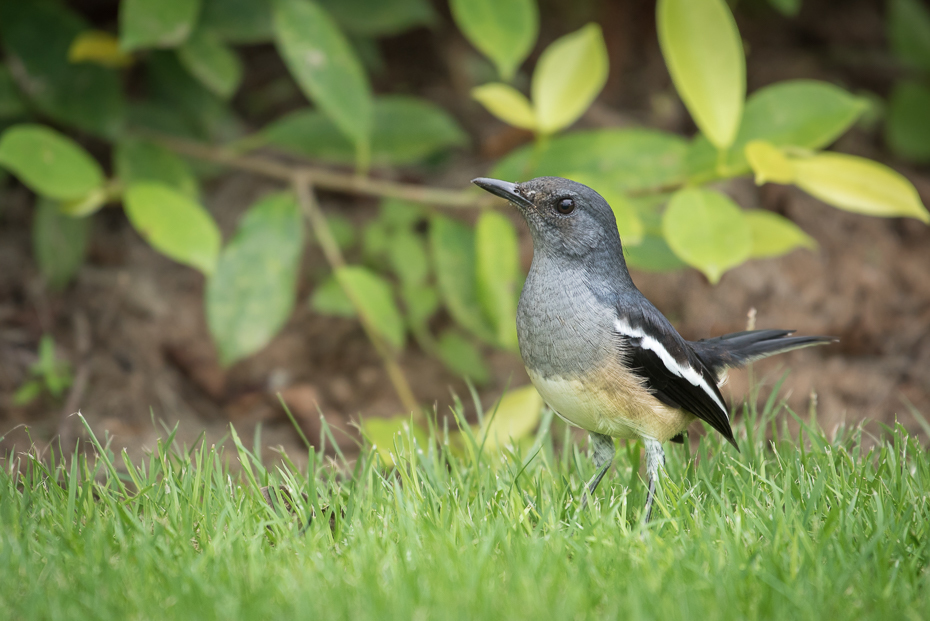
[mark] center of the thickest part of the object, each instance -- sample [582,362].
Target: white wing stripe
[683,371]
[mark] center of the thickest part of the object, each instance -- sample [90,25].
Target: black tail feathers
[740,348]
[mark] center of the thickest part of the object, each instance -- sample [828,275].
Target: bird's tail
[740,348]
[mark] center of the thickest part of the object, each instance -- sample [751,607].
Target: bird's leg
[655,458]
[602,448]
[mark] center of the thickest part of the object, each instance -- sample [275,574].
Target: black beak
[504,189]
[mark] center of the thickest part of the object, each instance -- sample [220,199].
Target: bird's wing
[670,368]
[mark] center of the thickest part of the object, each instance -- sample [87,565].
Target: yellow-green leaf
[506,103]
[707,230]
[372,296]
[462,357]
[59,243]
[99,47]
[629,224]
[773,235]
[859,185]
[502,30]
[213,63]
[156,23]
[498,269]
[769,163]
[704,54]
[516,416]
[384,433]
[569,75]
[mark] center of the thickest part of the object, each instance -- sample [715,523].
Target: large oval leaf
[59,243]
[156,23]
[502,30]
[173,224]
[707,230]
[859,185]
[326,68]
[569,75]
[506,103]
[251,293]
[629,159]
[773,235]
[372,297]
[908,128]
[49,163]
[769,163]
[796,113]
[704,54]
[498,269]
[406,130]
[909,31]
[514,418]
[452,245]
[141,160]
[209,60]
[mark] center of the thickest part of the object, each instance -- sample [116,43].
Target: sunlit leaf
[909,31]
[386,433]
[156,23]
[49,163]
[372,296]
[452,245]
[141,160]
[406,130]
[497,266]
[99,47]
[420,301]
[859,185]
[769,163]
[408,257]
[629,224]
[381,17]
[514,418]
[173,224]
[213,63]
[631,159]
[330,299]
[86,205]
[502,30]
[707,230]
[326,68]
[462,357]
[251,293]
[506,103]
[59,243]
[569,75]
[908,128]
[773,235]
[704,55]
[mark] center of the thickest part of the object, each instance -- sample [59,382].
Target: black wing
[671,369]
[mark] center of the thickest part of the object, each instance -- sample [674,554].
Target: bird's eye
[565,206]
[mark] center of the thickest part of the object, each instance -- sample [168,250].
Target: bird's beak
[504,189]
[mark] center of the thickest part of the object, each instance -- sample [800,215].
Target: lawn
[795,526]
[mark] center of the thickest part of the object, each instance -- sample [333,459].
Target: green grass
[799,528]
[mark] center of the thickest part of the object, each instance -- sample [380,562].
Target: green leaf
[707,230]
[213,63]
[385,433]
[704,54]
[632,159]
[908,128]
[506,103]
[773,235]
[909,31]
[27,393]
[652,254]
[420,301]
[251,293]
[769,163]
[342,229]
[140,160]
[859,185]
[156,23]
[12,104]
[86,205]
[629,224]
[462,357]
[238,21]
[502,30]
[49,163]
[497,266]
[406,130]
[59,243]
[452,245]
[372,297]
[514,418]
[398,214]
[408,257]
[569,75]
[329,299]
[381,17]
[788,8]
[796,113]
[38,35]
[326,68]
[173,224]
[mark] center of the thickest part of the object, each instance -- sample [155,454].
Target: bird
[601,355]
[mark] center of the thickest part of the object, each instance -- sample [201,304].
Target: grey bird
[600,354]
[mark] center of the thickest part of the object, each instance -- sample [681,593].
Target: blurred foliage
[173,68]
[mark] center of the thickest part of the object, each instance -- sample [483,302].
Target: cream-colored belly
[614,403]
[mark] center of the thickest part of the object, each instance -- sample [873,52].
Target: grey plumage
[597,350]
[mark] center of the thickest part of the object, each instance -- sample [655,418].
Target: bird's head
[565,217]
